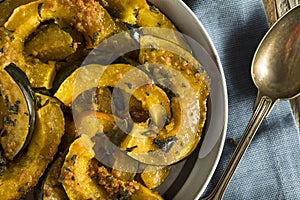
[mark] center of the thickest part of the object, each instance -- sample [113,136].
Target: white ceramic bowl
[192,176]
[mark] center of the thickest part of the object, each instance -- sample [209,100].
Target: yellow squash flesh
[126,10]
[89,19]
[90,123]
[153,176]
[173,56]
[51,43]
[177,70]
[75,172]
[52,188]
[7,7]
[81,80]
[24,172]
[15,117]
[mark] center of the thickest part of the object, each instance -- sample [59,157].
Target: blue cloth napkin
[270,169]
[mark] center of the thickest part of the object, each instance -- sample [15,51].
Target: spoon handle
[263,108]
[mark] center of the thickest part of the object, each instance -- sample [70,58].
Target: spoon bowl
[275,68]
[275,71]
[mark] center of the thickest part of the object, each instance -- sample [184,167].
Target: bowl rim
[214,154]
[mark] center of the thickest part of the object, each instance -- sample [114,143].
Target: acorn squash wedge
[124,167]
[176,139]
[147,142]
[39,74]
[75,172]
[95,28]
[176,70]
[24,172]
[153,22]
[81,80]
[52,187]
[150,16]
[156,50]
[126,10]
[91,76]
[139,13]
[65,14]
[8,6]
[173,57]
[91,123]
[153,176]
[50,43]
[18,115]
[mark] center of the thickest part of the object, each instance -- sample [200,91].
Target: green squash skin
[24,172]
[19,100]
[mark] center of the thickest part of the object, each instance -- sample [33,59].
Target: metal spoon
[276,73]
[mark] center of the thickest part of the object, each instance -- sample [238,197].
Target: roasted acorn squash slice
[21,29]
[139,13]
[75,172]
[153,22]
[126,10]
[178,71]
[88,17]
[50,43]
[95,28]
[24,172]
[52,187]
[81,80]
[153,176]
[149,141]
[150,16]
[124,167]
[8,6]
[18,117]
[90,123]
[39,74]
[64,13]
[163,52]
[91,76]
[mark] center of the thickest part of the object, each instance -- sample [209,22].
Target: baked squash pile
[98,99]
